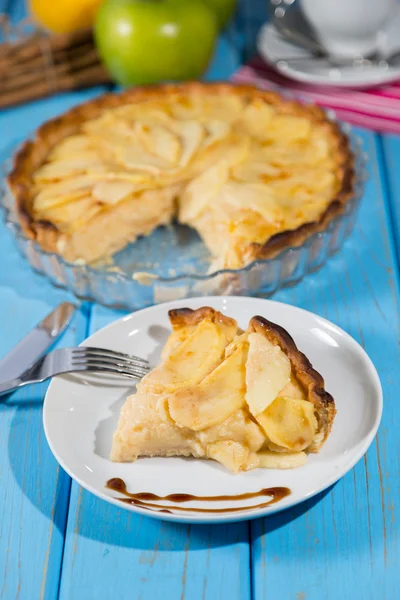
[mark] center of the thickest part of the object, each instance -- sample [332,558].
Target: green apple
[223,10]
[147,41]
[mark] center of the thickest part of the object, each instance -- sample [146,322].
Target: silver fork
[83,358]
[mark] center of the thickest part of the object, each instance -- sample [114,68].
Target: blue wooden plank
[3,6]
[227,57]
[250,16]
[34,490]
[238,42]
[390,148]
[16,10]
[345,544]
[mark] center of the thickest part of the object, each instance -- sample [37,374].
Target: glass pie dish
[173,263]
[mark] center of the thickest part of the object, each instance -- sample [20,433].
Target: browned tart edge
[184,317]
[345,162]
[34,152]
[310,380]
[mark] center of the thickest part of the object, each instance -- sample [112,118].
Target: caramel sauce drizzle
[147,499]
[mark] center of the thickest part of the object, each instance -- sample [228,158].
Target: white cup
[348,28]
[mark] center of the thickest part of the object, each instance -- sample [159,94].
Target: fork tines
[100,359]
[112,354]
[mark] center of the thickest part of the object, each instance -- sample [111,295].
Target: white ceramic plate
[80,415]
[302,66]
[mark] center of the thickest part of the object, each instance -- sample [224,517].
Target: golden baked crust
[33,154]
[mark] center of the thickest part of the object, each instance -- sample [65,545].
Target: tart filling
[251,172]
[245,399]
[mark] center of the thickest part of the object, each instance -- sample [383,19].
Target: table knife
[33,345]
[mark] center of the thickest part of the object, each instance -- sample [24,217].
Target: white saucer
[80,416]
[274,50]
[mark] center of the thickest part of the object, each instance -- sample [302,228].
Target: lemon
[64,16]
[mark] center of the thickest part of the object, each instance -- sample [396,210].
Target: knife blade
[33,345]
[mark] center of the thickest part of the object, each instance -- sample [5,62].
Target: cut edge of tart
[246,399]
[101,214]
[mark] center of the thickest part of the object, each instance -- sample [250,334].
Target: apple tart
[246,399]
[250,171]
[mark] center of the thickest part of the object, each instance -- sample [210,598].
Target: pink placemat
[376,108]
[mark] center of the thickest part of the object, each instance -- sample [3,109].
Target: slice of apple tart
[246,399]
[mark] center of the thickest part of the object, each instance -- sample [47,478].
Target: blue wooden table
[56,540]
